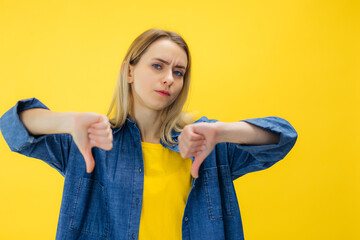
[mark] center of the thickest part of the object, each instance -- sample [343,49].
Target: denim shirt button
[133,235]
[186,219]
[139,169]
[137,201]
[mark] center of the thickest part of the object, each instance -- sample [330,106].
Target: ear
[130,72]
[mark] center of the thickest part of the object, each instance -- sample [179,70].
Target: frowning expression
[157,79]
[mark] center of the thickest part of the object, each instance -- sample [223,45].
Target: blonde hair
[173,117]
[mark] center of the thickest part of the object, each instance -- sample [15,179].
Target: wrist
[220,132]
[230,132]
[68,122]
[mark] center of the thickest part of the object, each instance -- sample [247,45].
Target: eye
[157,66]
[180,74]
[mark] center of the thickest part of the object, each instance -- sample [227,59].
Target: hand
[198,140]
[91,130]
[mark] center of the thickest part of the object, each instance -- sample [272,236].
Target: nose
[169,78]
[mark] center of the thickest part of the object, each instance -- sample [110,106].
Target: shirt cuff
[13,130]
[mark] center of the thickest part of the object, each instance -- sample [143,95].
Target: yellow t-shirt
[167,183]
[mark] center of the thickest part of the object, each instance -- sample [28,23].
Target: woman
[136,181]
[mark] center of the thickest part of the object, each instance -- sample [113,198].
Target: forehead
[166,50]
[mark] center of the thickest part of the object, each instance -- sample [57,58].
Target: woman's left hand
[198,140]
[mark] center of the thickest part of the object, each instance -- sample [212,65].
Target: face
[157,79]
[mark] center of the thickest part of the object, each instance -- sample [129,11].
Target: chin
[158,108]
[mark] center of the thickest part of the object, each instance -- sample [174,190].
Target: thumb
[89,160]
[195,166]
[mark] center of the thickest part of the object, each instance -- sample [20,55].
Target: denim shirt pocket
[90,209]
[217,183]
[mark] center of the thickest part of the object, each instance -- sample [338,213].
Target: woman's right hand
[91,130]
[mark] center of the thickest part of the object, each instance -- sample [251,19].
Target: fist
[197,140]
[91,130]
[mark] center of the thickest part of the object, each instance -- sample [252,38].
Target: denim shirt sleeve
[249,158]
[51,148]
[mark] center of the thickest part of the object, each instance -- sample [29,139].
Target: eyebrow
[162,60]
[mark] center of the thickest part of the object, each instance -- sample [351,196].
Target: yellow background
[298,60]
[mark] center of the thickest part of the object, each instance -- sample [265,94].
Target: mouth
[163,93]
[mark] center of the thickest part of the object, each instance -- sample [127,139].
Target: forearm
[40,121]
[245,133]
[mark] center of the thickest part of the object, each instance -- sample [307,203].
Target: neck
[149,123]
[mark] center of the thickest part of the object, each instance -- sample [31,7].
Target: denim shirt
[106,203]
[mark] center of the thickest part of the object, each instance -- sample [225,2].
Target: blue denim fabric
[106,204]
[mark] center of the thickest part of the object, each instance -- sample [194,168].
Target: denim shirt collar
[174,135]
